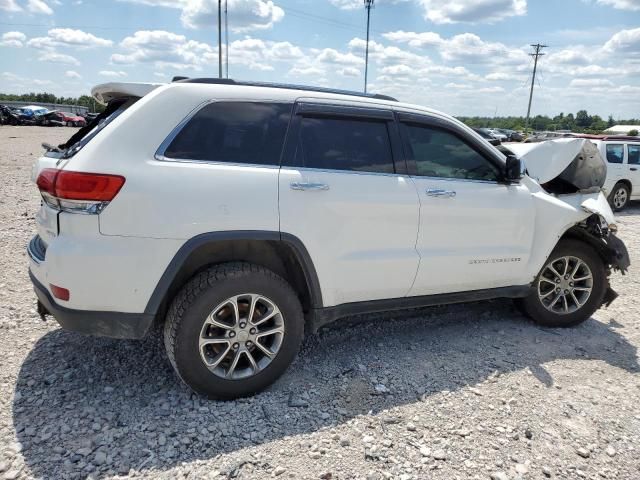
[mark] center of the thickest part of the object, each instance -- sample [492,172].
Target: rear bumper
[104,324]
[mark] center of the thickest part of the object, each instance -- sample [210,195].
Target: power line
[538,47]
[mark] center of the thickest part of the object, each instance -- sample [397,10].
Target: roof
[606,137]
[229,81]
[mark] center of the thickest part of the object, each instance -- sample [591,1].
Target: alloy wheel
[565,285]
[241,336]
[620,198]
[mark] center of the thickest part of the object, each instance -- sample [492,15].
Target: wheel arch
[282,253]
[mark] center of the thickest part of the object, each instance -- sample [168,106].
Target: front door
[476,232]
[343,195]
[633,164]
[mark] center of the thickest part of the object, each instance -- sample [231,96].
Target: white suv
[623,169]
[240,216]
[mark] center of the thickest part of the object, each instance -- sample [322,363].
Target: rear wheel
[233,330]
[570,287]
[619,197]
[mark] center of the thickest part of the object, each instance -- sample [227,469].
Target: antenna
[219,38]
[368,5]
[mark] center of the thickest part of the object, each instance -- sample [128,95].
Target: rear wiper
[50,148]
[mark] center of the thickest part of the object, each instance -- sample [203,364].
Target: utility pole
[368,4]
[226,35]
[219,38]
[535,56]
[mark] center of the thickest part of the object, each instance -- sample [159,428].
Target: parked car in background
[53,119]
[73,120]
[623,169]
[8,116]
[496,133]
[483,132]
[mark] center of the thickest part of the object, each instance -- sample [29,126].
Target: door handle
[308,186]
[633,169]
[440,193]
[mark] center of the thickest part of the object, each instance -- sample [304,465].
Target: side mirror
[514,170]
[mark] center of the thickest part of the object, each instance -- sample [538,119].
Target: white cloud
[568,57]
[476,11]
[259,54]
[55,57]
[13,39]
[246,15]
[114,74]
[68,37]
[349,72]
[72,74]
[164,50]
[414,39]
[332,56]
[470,48]
[39,7]
[10,6]
[625,41]
[590,82]
[622,4]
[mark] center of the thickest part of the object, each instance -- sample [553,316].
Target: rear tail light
[78,192]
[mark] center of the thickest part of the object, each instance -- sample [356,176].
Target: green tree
[611,122]
[583,119]
[633,133]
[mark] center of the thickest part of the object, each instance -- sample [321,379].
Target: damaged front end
[563,166]
[573,172]
[596,232]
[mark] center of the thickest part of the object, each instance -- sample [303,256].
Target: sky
[463,57]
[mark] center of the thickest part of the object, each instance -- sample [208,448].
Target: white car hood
[547,160]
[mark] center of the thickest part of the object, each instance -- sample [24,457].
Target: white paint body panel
[480,238]
[624,171]
[361,233]
[369,236]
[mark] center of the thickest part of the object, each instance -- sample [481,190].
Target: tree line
[581,122]
[83,101]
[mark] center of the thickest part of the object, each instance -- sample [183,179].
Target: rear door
[633,164]
[345,194]
[614,153]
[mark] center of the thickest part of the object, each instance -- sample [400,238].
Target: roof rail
[229,81]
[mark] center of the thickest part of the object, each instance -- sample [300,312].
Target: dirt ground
[467,391]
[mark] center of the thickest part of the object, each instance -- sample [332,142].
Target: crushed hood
[571,161]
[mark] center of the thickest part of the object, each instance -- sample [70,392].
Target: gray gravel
[473,391]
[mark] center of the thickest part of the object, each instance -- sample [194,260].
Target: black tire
[533,307]
[620,191]
[197,299]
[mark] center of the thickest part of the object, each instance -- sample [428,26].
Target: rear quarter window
[233,132]
[615,153]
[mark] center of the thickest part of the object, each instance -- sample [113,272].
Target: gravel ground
[467,391]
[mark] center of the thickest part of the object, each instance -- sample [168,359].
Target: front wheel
[233,330]
[619,197]
[570,287]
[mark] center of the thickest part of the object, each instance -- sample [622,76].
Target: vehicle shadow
[77,395]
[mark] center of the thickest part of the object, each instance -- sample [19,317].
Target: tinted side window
[634,154]
[615,153]
[344,144]
[233,132]
[439,153]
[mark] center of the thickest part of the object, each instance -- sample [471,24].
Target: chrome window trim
[352,172]
[159,155]
[162,158]
[451,179]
